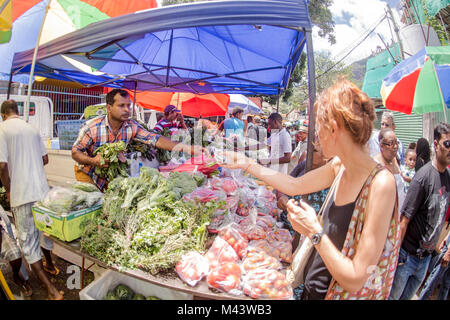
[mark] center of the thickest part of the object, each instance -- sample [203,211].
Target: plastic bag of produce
[84,186]
[192,268]
[267,284]
[266,222]
[279,234]
[258,259]
[258,245]
[235,237]
[59,199]
[204,194]
[232,203]
[230,186]
[221,252]
[94,198]
[226,277]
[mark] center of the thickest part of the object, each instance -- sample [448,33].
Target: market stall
[216,230]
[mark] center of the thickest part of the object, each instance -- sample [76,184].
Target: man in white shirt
[22,159]
[280,145]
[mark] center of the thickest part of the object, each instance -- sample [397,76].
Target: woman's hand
[303,218]
[236,160]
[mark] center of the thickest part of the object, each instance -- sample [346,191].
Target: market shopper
[387,121]
[351,260]
[423,216]
[389,147]
[172,120]
[113,127]
[10,252]
[299,153]
[22,159]
[423,155]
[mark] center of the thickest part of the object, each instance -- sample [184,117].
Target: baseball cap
[170,108]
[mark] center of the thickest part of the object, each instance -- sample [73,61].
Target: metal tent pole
[312,99]
[30,81]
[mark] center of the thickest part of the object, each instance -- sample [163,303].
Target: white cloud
[353,18]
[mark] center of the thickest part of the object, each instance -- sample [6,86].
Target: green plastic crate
[66,227]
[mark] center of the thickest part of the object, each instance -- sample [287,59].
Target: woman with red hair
[356,248]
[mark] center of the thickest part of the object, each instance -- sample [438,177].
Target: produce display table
[168,280]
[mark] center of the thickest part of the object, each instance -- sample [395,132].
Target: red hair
[351,108]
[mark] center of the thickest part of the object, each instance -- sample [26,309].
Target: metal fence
[69,103]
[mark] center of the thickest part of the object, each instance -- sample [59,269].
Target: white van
[40,115]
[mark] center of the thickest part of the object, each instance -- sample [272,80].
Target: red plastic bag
[221,252]
[192,268]
[267,284]
[235,238]
[226,277]
[201,164]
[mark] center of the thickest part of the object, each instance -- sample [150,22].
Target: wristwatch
[315,239]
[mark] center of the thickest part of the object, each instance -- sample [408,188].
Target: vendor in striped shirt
[173,120]
[115,126]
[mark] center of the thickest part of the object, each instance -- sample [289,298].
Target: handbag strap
[330,192]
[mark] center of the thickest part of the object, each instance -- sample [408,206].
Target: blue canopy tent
[247,47]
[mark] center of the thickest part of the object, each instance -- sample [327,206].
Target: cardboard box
[67,226]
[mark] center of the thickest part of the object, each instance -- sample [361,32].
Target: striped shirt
[163,124]
[97,131]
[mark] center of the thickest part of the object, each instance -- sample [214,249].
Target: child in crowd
[407,170]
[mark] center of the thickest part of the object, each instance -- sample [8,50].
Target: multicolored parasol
[21,20]
[419,84]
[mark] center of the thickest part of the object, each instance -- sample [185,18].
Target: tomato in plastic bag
[235,238]
[260,259]
[192,267]
[221,252]
[267,284]
[226,277]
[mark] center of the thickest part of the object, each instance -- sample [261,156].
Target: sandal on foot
[53,272]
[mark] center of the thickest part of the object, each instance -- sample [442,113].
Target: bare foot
[57,295]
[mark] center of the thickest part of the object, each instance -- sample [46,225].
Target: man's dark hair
[275,117]
[9,106]
[439,130]
[110,96]
[249,119]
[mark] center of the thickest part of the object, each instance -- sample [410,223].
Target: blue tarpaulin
[247,47]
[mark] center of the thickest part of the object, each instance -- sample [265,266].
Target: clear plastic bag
[226,277]
[267,284]
[221,252]
[259,259]
[235,237]
[192,268]
[60,200]
[257,245]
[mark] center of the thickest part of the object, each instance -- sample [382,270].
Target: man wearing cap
[116,126]
[171,116]
[299,153]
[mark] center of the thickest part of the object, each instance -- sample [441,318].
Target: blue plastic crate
[68,132]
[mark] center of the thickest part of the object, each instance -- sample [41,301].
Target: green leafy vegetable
[146,224]
[113,154]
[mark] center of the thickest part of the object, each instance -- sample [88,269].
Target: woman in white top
[387,157]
